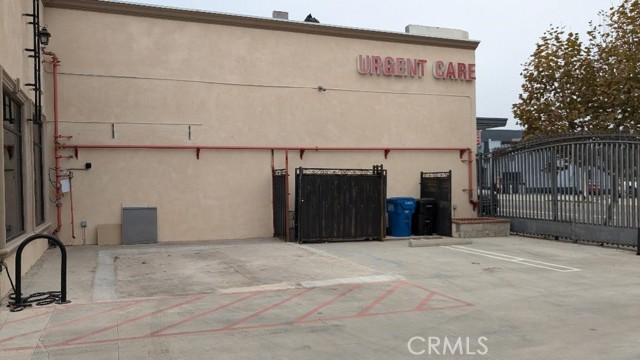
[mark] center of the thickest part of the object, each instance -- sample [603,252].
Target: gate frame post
[383,197]
[286,190]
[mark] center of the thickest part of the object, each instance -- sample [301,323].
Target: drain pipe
[73,227]
[474,203]
[56,141]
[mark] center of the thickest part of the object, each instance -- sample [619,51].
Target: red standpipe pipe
[273,161]
[474,203]
[462,150]
[56,140]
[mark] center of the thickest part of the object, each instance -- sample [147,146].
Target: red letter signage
[407,67]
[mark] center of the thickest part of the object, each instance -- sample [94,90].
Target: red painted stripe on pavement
[325,304]
[70,341]
[203,314]
[28,317]
[425,301]
[413,310]
[89,316]
[390,312]
[385,295]
[188,332]
[100,302]
[270,307]
[20,348]
[258,326]
[441,294]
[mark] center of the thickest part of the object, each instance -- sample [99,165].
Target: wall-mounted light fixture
[44,35]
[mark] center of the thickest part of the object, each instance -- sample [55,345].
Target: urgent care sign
[407,67]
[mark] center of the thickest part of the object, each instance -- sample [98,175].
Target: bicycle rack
[18,301]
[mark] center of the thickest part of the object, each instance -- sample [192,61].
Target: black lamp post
[41,38]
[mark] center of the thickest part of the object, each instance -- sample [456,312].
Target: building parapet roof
[169,13]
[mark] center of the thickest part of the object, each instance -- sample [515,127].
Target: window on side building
[12,153]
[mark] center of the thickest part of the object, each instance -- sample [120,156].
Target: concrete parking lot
[499,298]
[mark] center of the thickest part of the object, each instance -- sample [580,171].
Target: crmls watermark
[435,345]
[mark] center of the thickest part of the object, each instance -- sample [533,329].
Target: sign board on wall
[415,68]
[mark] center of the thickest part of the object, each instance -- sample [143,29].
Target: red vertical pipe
[286,190]
[56,141]
[473,202]
[273,164]
[73,228]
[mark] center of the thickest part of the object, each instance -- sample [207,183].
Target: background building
[189,112]
[494,138]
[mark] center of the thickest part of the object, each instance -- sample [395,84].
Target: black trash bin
[424,218]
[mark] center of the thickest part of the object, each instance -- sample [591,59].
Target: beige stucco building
[188,112]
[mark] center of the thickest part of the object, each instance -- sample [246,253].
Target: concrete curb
[438,242]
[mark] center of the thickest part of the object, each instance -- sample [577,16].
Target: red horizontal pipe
[289,148]
[231,147]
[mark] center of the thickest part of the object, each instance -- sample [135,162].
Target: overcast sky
[508,29]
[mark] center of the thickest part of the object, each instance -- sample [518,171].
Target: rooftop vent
[436,32]
[282,15]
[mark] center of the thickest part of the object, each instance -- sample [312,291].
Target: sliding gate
[340,204]
[580,187]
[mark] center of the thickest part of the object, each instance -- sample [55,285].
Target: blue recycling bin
[400,210]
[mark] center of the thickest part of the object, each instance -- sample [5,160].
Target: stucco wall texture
[140,80]
[16,70]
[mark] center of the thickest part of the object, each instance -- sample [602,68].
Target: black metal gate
[578,186]
[437,185]
[280,199]
[340,204]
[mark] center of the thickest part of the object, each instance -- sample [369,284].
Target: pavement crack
[236,267]
[118,334]
[44,329]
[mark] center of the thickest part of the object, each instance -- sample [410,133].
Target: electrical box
[65,185]
[139,225]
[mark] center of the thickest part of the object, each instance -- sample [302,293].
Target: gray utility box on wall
[139,225]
